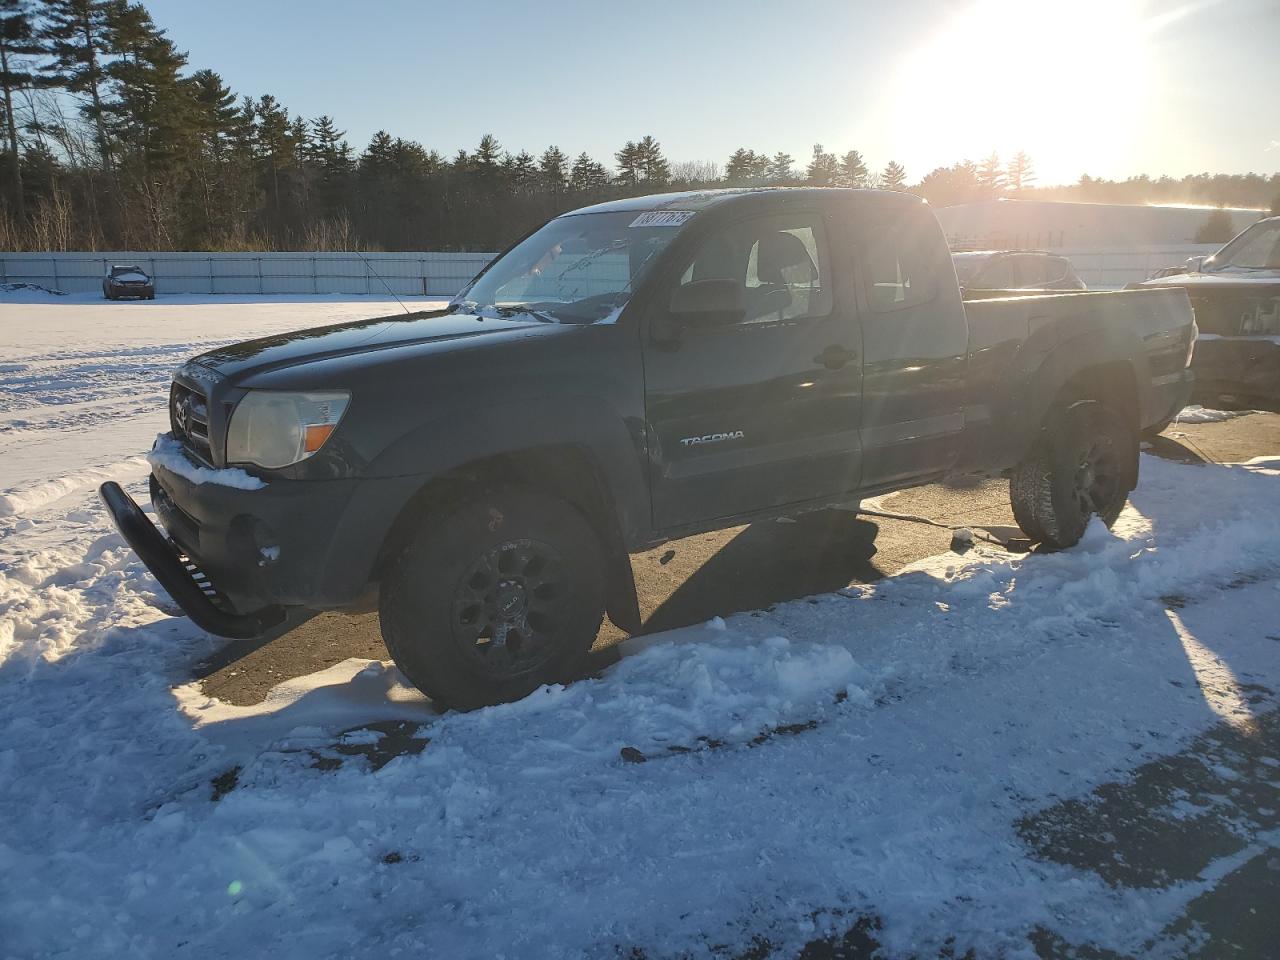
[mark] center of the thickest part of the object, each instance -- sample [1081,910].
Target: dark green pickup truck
[627,374]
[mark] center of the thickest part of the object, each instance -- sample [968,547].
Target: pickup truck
[1235,294]
[627,374]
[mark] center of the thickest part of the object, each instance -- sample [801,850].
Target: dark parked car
[991,273]
[628,374]
[128,280]
[1236,297]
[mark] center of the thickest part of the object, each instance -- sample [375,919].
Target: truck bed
[1013,340]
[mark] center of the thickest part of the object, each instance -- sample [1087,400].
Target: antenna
[369,266]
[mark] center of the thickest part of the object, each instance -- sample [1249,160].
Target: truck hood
[348,339]
[1192,282]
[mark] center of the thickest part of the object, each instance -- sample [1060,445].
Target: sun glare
[1067,83]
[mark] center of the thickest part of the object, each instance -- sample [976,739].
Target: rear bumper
[1165,400]
[187,586]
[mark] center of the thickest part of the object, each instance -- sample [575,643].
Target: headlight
[273,429]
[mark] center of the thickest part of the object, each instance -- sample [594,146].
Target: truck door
[915,342]
[763,410]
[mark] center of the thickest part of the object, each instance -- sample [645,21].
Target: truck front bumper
[1247,368]
[237,560]
[181,579]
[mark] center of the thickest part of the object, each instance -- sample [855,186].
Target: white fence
[1111,269]
[407,274]
[431,274]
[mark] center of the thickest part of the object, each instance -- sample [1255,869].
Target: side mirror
[709,302]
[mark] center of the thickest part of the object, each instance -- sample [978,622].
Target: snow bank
[32,292]
[28,500]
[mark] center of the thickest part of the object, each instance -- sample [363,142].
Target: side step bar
[162,559]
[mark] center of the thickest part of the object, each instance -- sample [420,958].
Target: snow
[1198,414]
[769,774]
[168,453]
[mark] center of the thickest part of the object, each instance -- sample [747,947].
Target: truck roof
[703,199]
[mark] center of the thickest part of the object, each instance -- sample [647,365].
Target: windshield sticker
[662,218]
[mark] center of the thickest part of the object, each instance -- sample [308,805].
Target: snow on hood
[1224,278]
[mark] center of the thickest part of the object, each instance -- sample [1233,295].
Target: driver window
[780,261]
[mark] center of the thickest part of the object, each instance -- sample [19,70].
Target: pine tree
[214,113]
[740,166]
[629,164]
[653,166]
[893,176]
[78,37]
[329,154]
[946,186]
[276,150]
[853,171]
[152,111]
[780,167]
[553,168]
[17,40]
[487,154]
[823,168]
[221,160]
[326,146]
[991,176]
[587,176]
[1020,172]
[522,171]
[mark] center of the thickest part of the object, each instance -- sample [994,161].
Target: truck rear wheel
[1083,465]
[493,598]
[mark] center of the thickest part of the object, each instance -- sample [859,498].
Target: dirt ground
[743,568]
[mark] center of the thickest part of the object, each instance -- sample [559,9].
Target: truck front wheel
[1083,465]
[493,598]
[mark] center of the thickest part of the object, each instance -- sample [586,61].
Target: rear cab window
[900,265]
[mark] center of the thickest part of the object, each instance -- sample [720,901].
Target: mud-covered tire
[1084,464]
[494,597]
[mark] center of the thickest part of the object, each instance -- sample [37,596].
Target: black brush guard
[168,567]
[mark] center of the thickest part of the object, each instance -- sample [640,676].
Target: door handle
[835,356]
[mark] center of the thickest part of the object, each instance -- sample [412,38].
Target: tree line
[112,140]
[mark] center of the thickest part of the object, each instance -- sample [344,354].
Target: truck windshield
[579,268]
[1258,248]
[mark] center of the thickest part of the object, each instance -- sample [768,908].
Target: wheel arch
[1092,365]
[567,471]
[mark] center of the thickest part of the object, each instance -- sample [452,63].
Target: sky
[1111,88]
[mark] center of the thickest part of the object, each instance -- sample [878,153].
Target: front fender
[616,444]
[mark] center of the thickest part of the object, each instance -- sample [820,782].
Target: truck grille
[189,420]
